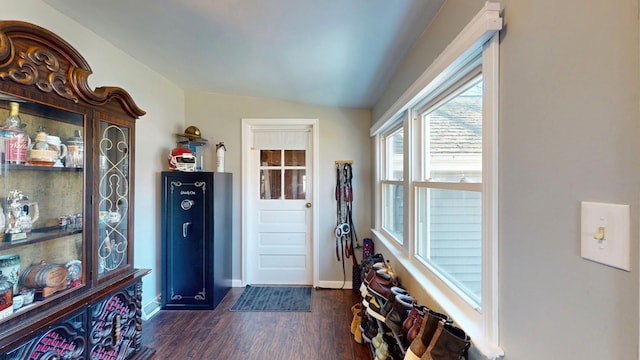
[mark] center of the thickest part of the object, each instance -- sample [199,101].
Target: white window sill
[467,318]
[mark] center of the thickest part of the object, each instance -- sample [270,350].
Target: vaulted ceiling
[326,52]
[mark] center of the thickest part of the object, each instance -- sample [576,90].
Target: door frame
[248,125]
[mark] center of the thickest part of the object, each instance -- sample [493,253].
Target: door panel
[186,243]
[186,246]
[279,218]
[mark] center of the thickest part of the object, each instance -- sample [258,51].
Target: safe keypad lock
[186,204]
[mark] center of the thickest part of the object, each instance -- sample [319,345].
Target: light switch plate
[605,234]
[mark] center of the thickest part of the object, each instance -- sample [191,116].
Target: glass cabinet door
[41,205]
[113,198]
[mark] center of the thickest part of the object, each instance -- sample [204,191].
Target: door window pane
[278,178]
[294,158]
[270,157]
[295,184]
[270,184]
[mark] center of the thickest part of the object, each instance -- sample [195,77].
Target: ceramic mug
[62,148]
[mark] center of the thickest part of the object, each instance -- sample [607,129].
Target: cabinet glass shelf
[39,235]
[20,167]
[41,209]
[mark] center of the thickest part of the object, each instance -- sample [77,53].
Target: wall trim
[151,308]
[479,30]
[248,124]
[347,285]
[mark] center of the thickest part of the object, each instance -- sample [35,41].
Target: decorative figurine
[19,221]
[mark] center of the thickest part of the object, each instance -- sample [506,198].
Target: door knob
[307,205]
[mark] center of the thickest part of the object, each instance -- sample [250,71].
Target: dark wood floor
[324,333]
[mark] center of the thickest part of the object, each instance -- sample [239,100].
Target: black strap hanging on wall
[346,238]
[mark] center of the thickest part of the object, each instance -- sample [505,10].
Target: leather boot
[368,328]
[389,304]
[356,310]
[355,323]
[417,312]
[401,307]
[380,286]
[369,275]
[448,343]
[415,328]
[429,326]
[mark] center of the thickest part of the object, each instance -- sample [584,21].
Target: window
[436,204]
[272,172]
[392,184]
[448,195]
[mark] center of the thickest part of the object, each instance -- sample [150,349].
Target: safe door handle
[185,229]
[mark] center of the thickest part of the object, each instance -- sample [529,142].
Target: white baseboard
[322,284]
[151,308]
[335,285]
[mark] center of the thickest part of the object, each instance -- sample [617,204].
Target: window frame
[479,38]
[452,87]
[398,124]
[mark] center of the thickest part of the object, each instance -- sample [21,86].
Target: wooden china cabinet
[68,288]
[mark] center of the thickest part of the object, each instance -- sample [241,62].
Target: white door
[278,204]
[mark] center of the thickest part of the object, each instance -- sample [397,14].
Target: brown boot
[396,317]
[355,323]
[357,317]
[429,326]
[413,331]
[448,343]
[392,297]
[411,325]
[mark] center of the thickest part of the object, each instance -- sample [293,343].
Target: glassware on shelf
[75,151]
[42,152]
[15,140]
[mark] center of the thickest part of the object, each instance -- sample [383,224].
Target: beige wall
[569,128]
[343,136]
[162,100]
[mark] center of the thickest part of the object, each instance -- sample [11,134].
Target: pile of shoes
[395,326]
